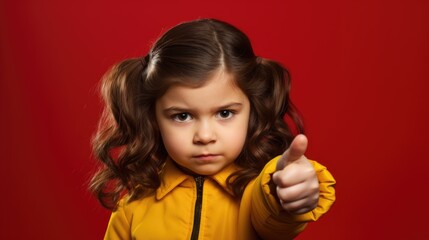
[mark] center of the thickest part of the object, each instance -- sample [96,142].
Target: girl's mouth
[206,157]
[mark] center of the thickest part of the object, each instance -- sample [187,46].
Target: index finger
[296,149]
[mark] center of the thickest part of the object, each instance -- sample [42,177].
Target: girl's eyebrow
[181,109]
[230,105]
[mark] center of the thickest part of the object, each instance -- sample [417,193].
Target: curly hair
[128,142]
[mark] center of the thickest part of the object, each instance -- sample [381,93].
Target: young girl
[193,143]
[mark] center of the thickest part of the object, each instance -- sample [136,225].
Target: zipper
[199,180]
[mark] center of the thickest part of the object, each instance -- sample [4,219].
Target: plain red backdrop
[360,78]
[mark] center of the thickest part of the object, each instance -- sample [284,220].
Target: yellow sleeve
[267,216]
[119,226]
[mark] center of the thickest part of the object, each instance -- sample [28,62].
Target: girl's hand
[296,181]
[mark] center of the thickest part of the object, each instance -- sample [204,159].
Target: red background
[360,77]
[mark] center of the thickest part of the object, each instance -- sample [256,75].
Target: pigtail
[125,141]
[279,100]
[267,85]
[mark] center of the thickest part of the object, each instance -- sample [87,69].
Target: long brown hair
[128,142]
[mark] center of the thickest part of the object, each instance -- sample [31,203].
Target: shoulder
[130,207]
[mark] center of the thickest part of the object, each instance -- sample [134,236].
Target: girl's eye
[225,114]
[182,117]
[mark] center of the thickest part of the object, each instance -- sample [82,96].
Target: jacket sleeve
[118,227]
[267,216]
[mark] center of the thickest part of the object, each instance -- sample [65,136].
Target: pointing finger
[296,149]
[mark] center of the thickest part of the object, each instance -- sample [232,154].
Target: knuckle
[309,170]
[284,195]
[280,179]
[315,187]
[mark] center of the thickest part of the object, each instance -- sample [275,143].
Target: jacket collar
[172,176]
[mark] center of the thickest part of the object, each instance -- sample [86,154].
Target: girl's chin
[205,170]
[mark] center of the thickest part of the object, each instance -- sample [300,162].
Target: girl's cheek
[176,140]
[237,138]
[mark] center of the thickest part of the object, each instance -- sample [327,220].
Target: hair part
[128,142]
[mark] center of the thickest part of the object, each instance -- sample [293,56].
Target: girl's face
[204,128]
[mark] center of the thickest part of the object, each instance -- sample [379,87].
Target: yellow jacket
[181,210]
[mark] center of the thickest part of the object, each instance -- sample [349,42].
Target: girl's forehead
[217,79]
[218,89]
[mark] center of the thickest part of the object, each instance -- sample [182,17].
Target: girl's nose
[204,134]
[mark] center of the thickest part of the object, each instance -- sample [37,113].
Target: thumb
[295,151]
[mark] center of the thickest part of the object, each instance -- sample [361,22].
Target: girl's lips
[206,157]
